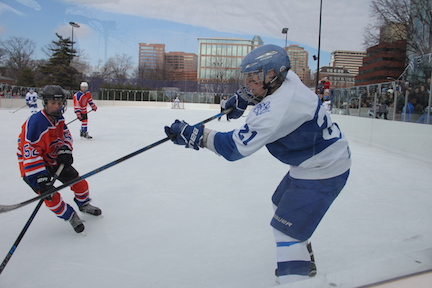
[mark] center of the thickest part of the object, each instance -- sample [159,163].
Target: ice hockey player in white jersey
[290,121]
[31,100]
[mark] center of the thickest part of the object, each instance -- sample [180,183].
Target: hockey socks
[293,258]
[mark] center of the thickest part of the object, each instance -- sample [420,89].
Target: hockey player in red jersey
[44,143]
[81,99]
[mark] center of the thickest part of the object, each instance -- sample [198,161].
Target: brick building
[384,60]
[183,66]
[299,62]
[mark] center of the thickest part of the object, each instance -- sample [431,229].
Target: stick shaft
[7,208]
[27,225]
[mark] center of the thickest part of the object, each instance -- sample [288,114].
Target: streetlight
[285,31]
[319,48]
[74,25]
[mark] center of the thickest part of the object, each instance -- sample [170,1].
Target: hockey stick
[77,118]
[27,225]
[18,109]
[7,208]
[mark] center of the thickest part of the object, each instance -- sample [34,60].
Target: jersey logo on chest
[261,108]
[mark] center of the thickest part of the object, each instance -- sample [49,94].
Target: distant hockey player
[327,103]
[44,143]
[31,100]
[81,99]
[222,106]
[176,103]
[290,121]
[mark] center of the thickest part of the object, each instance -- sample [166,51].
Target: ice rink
[176,217]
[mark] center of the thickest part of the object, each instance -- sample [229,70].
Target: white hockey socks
[293,258]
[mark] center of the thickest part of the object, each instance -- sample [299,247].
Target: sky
[115,27]
[176,217]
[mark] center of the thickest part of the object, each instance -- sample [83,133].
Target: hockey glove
[181,133]
[239,102]
[64,156]
[44,184]
[79,116]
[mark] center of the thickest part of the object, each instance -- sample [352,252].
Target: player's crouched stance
[291,122]
[44,143]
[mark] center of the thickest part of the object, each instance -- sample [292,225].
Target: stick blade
[7,208]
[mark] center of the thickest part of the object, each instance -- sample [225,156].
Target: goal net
[177,105]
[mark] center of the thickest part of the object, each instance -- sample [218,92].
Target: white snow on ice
[175,217]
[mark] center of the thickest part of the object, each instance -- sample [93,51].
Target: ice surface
[176,217]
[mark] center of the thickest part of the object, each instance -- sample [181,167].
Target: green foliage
[26,78]
[58,70]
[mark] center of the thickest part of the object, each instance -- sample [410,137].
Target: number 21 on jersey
[246,135]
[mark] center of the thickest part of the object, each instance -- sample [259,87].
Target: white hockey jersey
[31,98]
[295,128]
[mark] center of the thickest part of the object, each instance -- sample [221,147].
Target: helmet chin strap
[55,114]
[270,86]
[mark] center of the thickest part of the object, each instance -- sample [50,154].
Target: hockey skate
[89,209]
[313,268]
[85,135]
[76,223]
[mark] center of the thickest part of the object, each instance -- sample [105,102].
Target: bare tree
[81,63]
[160,72]
[116,67]
[401,19]
[18,54]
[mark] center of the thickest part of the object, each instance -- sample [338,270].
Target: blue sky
[115,27]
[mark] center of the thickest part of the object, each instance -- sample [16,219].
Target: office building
[182,66]
[219,58]
[339,77]
[151,56]
[299,59]
[381,62]
[349,60]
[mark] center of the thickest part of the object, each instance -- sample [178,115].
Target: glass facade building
[219,58]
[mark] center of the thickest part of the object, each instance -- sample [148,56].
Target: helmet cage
[257,77]
[54,92]
[264,59]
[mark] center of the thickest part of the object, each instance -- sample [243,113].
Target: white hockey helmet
[84,84]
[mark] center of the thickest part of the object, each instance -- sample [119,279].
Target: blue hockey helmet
[266,58]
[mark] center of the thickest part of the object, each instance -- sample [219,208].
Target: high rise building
[151,56]
[182,66]
[383,61]
[257,42]
[219,58]
[349,60]
[299,59]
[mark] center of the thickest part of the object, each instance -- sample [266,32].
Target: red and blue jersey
[38,145]
[81,100]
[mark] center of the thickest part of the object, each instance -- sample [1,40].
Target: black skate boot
[89,209]
[313,269]
[76,223]
[86,135]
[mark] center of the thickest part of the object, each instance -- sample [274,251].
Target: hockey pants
[55,203]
